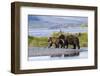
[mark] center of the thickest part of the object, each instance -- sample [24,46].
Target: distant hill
[56,22]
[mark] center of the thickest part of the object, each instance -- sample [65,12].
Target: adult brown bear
[72,40]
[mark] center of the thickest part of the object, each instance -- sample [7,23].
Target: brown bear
[56,41]
[72,40]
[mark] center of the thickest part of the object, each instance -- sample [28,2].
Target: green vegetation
[83,25]
[43,41]
[83,39]
[37,41]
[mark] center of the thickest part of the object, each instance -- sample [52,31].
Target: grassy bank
[43,41]
[37,41]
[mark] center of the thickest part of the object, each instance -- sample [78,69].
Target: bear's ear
[78,34]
